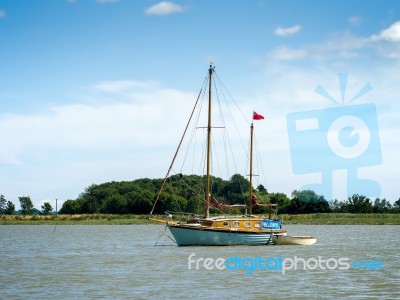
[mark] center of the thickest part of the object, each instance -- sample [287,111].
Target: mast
[208,182]
[251,169]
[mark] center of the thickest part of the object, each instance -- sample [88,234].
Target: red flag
[256,116]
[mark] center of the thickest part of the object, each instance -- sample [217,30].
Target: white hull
[187,236]
[295,240]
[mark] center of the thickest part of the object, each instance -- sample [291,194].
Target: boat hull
[187,236]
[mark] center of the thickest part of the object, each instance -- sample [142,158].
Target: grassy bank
[89,219]
[342,219]
[99,219]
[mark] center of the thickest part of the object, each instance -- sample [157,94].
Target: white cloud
[284,53]
[2,13]
[164,8]
[387,43]
[345,45]
[391,34]
[281,31]
[355,20]
[342,45]
[80,126]
[388,50]
[58,152]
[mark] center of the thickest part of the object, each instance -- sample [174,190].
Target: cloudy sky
[97,91]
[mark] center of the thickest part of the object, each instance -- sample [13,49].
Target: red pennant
[256,116]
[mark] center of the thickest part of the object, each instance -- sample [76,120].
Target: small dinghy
[295,240]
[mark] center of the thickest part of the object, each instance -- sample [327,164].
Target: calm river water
[122,262]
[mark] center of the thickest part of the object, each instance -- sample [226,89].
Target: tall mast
[251,169]
[208,183]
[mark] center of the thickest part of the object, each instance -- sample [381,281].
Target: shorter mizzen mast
[256,116]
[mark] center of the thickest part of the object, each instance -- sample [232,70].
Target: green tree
[115,204]
[281,200]
[359,204]
[236,189]
[239,184]
[10,208]
[46,208]
[396,206]
[171,202]
[71,207]
[3,203]
[26,205]
[262,189]
[307,201]
[92,200]
[196,205]
[307,196]
[339,206]
[140,202]
[381,206]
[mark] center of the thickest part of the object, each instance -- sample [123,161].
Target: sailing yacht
[210,230]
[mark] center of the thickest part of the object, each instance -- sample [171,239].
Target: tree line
[8,207]
[185,193]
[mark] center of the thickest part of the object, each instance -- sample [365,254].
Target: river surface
[123,262]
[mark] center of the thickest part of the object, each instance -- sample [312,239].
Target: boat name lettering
[271,224]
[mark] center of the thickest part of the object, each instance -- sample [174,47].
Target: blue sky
[94,91]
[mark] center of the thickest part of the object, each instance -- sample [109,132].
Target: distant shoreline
[107,219]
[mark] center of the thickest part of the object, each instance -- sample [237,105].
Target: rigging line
[202,171]
[237,131]
[223,88]
[225,132]
[176,153]
[227,140]
[196,193]
[226,144]
[260,167]
[233,100]
[163,233]
[194,152]
[189,186]
[194,128]
[55,226]
[258,156]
